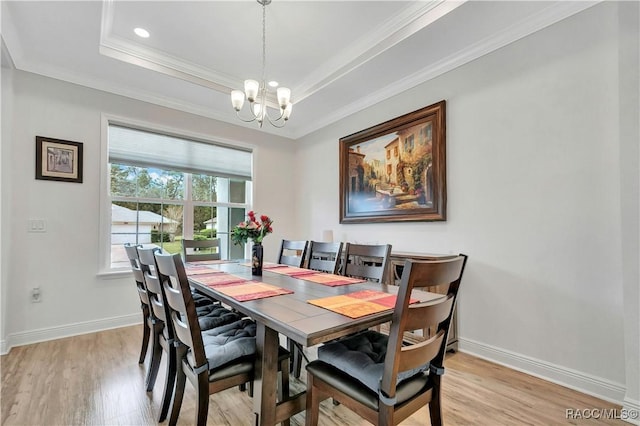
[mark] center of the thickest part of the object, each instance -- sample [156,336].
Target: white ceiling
[338,57]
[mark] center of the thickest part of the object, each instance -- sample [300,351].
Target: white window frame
[104,262]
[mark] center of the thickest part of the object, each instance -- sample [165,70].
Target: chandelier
[256,91]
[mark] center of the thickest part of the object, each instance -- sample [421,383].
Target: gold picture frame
[396,171]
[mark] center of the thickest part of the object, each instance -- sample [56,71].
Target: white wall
[64,261]
[533,176]
[6,118]
[629,70]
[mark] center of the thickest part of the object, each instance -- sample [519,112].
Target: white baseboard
[632,406]
[52,333]
[585,383]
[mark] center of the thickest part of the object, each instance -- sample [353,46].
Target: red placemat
[208,262]
[291,271]
[330,280]
[251,290]
[358,304]
[218,279]
[200,270]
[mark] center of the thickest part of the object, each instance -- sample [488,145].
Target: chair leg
[250,391]
[169,384]
[298,355]
[313,403]
[292,350]
[146,332]
[435,407]
[202,399]
[283,389]
[156,356]
[181,379]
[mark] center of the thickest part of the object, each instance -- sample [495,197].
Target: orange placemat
[218,279]
[251,290]
[265,265]
[330,280]
[208,262]
[200,270]
[291,271]
[358,304]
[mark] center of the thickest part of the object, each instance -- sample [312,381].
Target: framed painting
[396,171]
[58,159]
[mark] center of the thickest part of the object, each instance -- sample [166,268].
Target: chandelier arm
[245,120]
[276,123]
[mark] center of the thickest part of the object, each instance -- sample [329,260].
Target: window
[408,144]
[163,189]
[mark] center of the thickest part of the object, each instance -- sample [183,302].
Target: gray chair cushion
[354,388]
[361,356]
[228,343]
[216,316]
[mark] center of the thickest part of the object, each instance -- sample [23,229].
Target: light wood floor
[95,380]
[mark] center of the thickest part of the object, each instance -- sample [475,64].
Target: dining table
[283,303]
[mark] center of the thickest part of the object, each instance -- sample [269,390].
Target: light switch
[37,225]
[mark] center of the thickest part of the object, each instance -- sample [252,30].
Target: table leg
[266,375]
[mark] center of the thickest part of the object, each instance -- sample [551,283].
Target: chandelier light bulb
[287,111]
[237,99]
[284,96]
[251,88]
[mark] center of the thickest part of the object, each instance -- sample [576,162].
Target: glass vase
[256,259]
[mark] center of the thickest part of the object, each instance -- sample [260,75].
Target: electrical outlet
[36,295]
[37,225]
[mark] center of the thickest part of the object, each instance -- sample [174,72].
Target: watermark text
[601,413]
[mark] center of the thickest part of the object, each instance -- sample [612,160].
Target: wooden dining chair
[163,338]
[132,255]
[197,250]
[383,378]
[325,257]
[212,360]
[366,261]
[293,253]
[162,341]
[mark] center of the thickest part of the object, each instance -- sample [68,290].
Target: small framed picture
[59,160]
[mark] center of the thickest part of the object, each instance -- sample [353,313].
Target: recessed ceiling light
[273,83]
[141,32]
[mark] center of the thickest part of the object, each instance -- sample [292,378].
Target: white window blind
[145,149]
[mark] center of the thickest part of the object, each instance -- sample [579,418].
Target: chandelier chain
[264,41]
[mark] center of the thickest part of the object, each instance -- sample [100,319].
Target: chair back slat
[420,354]
[366,261]
[132,255]
[191,250]
[293,253]
[325,257]
[182,307]
[402,356]
[421,314]
[157,298]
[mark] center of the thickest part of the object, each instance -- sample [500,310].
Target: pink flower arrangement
[252,229]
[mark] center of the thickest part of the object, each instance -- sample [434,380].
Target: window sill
[112,275]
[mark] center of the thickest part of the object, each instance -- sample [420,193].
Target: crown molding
[397,28]
[156,60]
[546,17]
[146,96]
[410,20]
[550,15]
